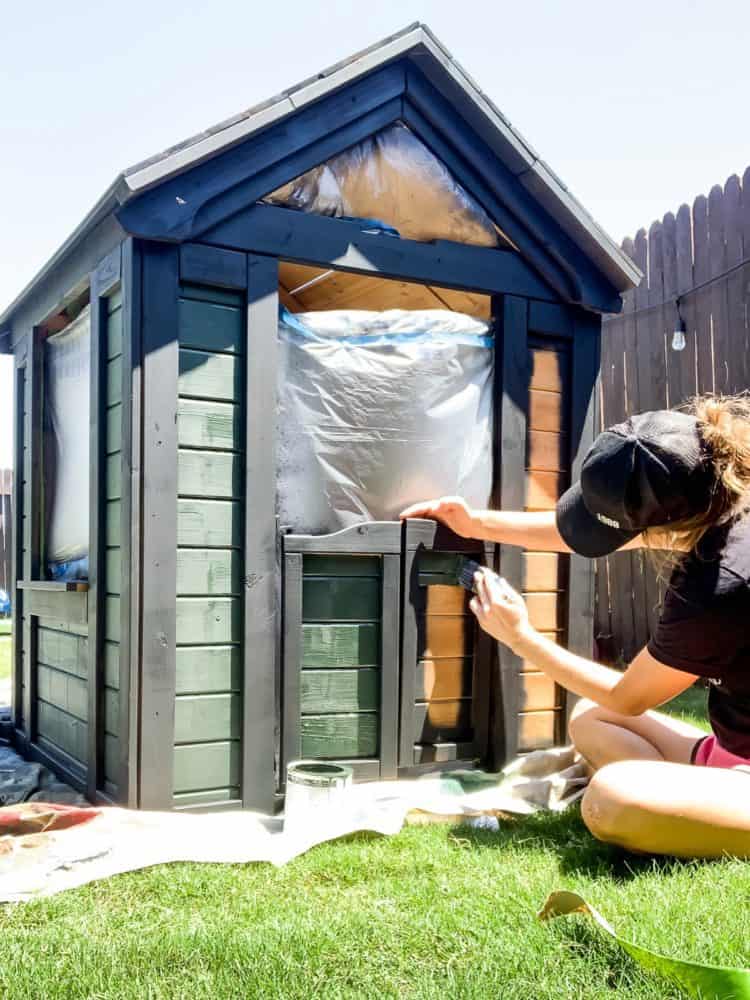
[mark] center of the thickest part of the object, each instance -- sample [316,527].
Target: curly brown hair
[724,427]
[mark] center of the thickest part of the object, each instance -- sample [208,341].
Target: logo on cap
[608,521]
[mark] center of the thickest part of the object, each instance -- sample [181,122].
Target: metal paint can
[315,792]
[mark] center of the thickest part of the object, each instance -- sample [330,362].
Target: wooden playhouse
[187,643]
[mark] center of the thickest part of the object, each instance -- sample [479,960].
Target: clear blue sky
[637,106]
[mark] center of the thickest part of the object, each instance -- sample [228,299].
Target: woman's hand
[453,512]
[500,610]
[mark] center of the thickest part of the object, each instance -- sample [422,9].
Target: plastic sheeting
[394,178]
[66,449]
[378,410]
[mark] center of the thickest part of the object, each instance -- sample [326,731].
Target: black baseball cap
[644,473]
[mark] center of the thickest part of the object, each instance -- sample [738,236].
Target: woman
[678,482]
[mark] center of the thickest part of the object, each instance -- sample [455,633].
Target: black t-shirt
[704,627]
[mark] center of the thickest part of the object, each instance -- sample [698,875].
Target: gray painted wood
[98,447]
[511,393]
[258,736]
[205,265]
[581,579]
[374,536]
[17,561]
[129,531]
[65,606]
[159,534]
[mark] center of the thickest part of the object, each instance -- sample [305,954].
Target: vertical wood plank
[130,524]
[33,512]
[734,289]
[292,659]
[682,363]
[260,535]
[702,299]
[389,666]
[18,569]
[585,373]
[512,377]
[717,260]
[97,404]
[159,536]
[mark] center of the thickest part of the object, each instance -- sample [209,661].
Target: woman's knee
[582,715]
[610,807]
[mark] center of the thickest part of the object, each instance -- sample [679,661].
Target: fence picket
[687,256]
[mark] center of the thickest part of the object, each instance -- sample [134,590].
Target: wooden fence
[6,488]
[697,280]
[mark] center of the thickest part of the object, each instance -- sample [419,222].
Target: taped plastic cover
[378,410]
[66,449]
[392,177]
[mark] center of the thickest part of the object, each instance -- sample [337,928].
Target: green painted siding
[340,678]
[210,535]
[113,538]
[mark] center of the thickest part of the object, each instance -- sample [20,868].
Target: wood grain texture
[209,474]
[444,636]
[339,691]
[538,693]
[542,571]
[536,730]
[215,572]
[207,424]
[339,736]
[444,679]
[210,375]
[545,410]
[209,523]
[340,645]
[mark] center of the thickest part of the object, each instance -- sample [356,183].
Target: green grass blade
[704,982]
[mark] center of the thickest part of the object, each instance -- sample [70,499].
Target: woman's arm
[535,530]
[645,684]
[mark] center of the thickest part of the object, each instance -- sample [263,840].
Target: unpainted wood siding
[112,387]
[210,526]
[443,709]
[341,659]
[545,574]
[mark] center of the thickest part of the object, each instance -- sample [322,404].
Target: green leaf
[704,982]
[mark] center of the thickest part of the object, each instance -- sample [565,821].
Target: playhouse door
[384,667]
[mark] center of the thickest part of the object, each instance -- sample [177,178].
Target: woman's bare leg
[603,737]
[664,808]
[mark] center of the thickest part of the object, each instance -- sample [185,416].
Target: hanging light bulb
[678,337]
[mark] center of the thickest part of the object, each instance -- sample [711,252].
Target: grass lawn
[432,913]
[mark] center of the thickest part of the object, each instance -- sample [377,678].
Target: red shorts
[708,753]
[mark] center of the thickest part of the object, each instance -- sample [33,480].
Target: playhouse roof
[415,43]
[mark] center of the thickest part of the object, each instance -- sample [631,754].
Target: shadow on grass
[565,835]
